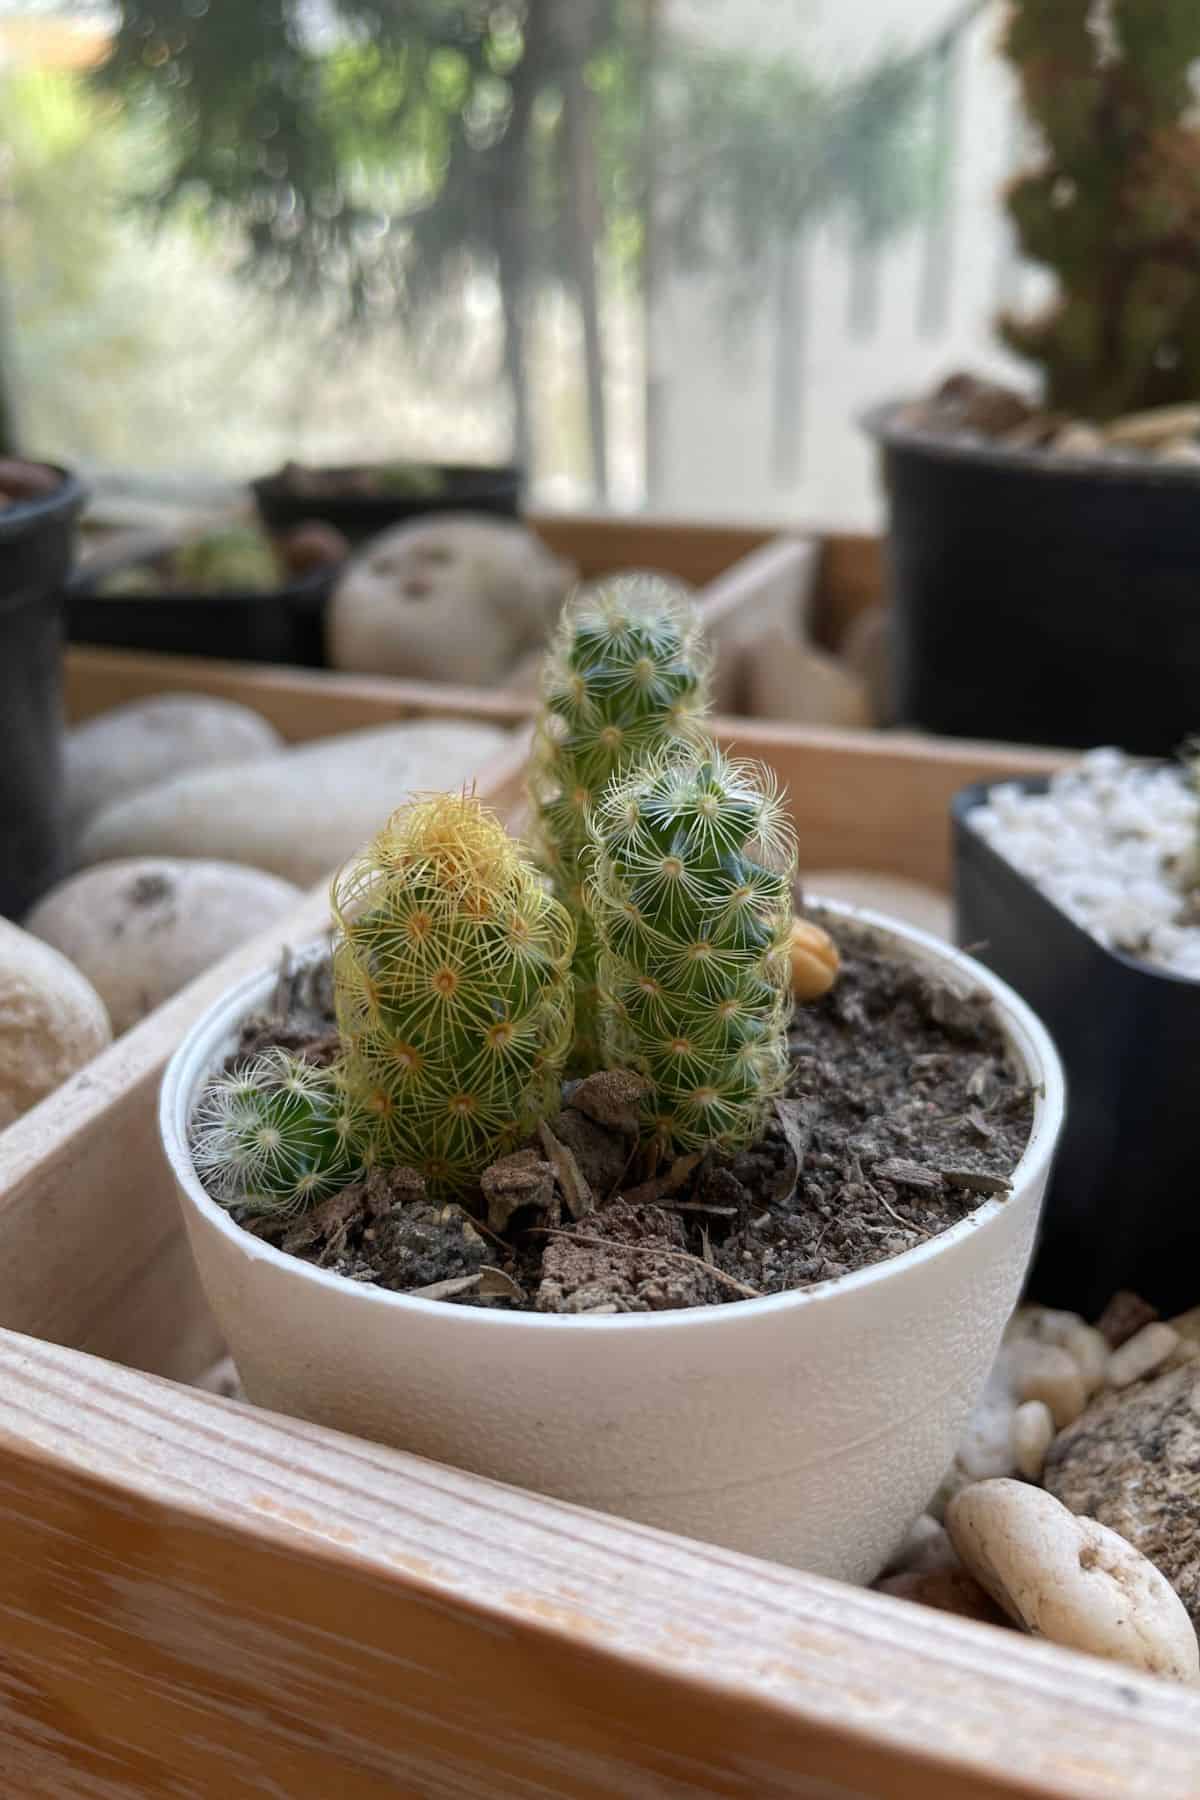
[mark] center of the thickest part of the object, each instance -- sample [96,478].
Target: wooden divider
[201,1600]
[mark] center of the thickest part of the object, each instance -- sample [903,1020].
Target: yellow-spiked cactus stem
[626,678]
[453,987]
[692,860]
[276,1135]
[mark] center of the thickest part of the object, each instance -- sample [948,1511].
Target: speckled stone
[1133,1462]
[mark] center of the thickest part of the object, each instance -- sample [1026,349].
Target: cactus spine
[452,981]
[276,1135]
[692,863]
[625,679]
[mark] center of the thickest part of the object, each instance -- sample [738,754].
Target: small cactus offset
[276,1135]
[692,859]
[626,677]
[453,989]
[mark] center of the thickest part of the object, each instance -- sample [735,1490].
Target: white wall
[715,393]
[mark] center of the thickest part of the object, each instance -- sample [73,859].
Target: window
[669,250]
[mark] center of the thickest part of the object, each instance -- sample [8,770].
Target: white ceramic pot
[808,1427]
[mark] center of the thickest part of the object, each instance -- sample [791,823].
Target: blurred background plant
[449,228]
[1111,201]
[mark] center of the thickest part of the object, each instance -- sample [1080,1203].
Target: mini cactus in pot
[559,1317]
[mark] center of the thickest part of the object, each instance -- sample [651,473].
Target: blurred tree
[382,150]
[55,257]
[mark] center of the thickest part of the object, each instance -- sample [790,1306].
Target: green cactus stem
[276,1135]
[692,859]
[453,991]
[626,678]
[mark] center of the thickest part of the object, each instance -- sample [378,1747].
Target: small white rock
[1046,1372]
[52,1021]
[1070,1332]
[926,1545]
[1032,1436]
[452,597]
[1072,1580]
[136,746]
[1141,1354]
[1091,1352]
[140,929]
[299,814]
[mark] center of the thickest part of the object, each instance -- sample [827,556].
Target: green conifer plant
[691,859]
[452,976]
[1111,201]
[276,1135]
[626,678]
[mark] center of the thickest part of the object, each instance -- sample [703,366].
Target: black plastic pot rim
[969,799]
[275,484]
[30,515]
[885,424]
[82,587]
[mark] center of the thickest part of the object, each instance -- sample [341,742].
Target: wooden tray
[742,593]
[197,1598]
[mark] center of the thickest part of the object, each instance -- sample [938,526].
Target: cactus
[626,677]
[692,861]
[276,1135]
[453,991]
[1112,204]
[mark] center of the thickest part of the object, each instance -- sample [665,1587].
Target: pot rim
[975,794]
[29,515]
[1024,1031]
[883,423]
[273,485]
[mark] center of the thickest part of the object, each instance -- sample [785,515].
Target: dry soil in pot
[902,1115]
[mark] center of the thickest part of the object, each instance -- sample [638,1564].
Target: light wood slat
[878,800]
[201,1599]
[852,578]
[300,703]
[697,553]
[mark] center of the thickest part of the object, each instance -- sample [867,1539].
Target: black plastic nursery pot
[1040,598]
[36,538]
[284,625]
[1121,1210]
[463,488]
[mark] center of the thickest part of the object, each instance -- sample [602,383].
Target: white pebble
[1091,1352]
[1141,1353]
[1048,1373]
[1032,1436]
[1071,1580]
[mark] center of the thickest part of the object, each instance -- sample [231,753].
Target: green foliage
[1112,205]
[626,678]
[692,865]
[452,976]
[276,1135]
[756,149]
[368,163]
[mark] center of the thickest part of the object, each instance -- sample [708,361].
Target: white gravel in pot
[1112,843]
